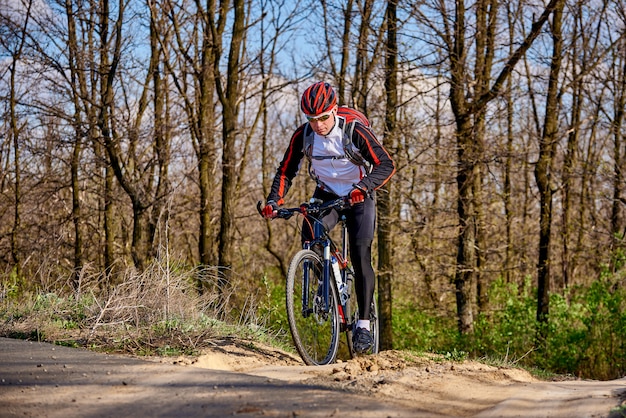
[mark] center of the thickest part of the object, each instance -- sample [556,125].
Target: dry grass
[157,312]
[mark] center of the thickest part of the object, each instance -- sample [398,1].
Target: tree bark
[617,208]
[543,169]
[229,98]
[345,52]
[384,203]
[78,90]
[14,136]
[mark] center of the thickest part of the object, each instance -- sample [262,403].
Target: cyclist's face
[322,124]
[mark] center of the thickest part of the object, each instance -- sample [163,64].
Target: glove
[270,210]
[356,196]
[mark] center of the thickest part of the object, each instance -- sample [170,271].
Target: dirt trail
[233,378]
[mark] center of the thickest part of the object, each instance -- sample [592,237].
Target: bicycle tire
[352,313]
[315,333]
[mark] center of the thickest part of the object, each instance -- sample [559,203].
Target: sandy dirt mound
[443,388]
[239,356]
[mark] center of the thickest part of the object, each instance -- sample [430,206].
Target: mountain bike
[320,297]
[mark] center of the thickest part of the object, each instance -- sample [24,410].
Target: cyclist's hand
[270,210]
[356,196]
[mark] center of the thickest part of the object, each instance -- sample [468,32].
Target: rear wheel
[352,313]
[314,327]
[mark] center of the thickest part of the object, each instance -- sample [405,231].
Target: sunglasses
[322,118]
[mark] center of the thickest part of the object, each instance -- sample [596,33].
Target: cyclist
[338,176]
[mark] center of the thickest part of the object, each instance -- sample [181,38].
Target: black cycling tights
[361,256]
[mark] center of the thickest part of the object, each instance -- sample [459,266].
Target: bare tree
[341,75]
[229,98]
[197,45]
[384,203]
[14,43]
[281,22]
[137,166]
[79,89]
[369,43]
[508,205]
[617,229]
[339,71]
[544,166]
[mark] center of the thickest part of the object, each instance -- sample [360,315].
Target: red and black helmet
[318,98]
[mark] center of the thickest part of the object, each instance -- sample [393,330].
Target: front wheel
[314,327]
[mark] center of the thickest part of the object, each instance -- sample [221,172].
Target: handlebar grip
[284,213]
[281,213]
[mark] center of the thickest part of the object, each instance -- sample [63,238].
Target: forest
[136,134]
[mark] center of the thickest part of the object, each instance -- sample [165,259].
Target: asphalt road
[43,380]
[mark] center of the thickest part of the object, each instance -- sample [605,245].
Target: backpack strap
[307,145]
[349,150]
[348,147]
[352,154]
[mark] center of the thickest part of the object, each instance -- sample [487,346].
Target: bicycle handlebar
[314,207]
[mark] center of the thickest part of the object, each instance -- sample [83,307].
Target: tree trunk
[109,223]
[206,153]
[136,172]
[17,191]
[76,209]
[14,135]
[486,13]
[508,205]
[543,169]
[162,134]
[385,220]
[229,99]
[617,221]
[79,89]
[361,73]
[199,107]
[466,247]
[345,52]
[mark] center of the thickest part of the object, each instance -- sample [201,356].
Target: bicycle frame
[323,239]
